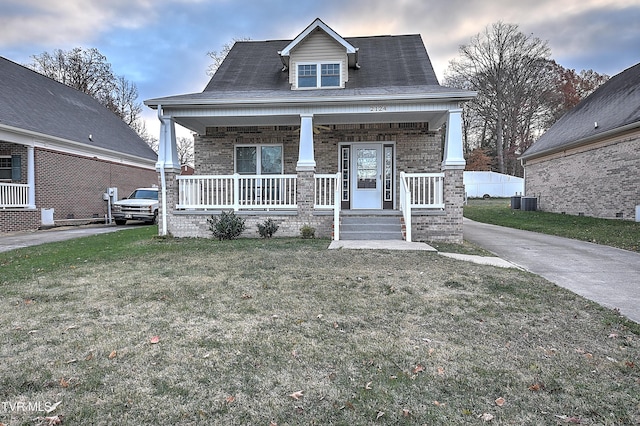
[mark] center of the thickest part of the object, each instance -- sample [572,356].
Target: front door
[366,176]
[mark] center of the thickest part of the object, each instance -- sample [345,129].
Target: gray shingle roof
[33,102]
[389,65]
[385,61]
[614,105]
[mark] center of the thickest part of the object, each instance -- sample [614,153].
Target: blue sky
[162,45]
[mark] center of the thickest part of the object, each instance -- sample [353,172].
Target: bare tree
[219,55]
[124,101]
[185,150]
[502,64]
[89,71]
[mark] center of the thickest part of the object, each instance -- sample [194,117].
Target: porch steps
[370,228]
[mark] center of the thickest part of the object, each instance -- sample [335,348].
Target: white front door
[366,176]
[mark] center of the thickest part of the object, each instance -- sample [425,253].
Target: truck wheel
[120,222]
[154,221]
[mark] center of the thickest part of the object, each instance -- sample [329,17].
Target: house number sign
[377,108]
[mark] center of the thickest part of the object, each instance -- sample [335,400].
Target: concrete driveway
[606,275]
[16,240]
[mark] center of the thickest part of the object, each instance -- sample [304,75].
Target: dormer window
[318,58]
[318,75]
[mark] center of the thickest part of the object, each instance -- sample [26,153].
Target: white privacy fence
[479,184]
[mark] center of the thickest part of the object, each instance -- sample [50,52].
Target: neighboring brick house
[588,163]
[312,130]
[60,149]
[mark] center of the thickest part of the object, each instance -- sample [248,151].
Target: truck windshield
[144,193]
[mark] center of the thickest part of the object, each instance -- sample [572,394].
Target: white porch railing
[327,196]
[14,195]
[237,192]
[420,191]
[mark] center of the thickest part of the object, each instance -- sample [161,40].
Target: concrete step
[370,228]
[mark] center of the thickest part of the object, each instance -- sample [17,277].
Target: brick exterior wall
[599,180]
[72,185]
[418,149]
[13,220]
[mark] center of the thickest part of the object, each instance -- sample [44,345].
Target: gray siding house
[60,150]
[315,130]
[588,163]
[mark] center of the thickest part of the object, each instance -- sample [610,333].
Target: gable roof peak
[318,24]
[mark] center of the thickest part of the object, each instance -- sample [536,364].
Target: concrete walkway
[606,275]
[14,240]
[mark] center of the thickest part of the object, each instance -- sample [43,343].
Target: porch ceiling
[199,123]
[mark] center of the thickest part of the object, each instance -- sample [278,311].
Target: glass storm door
[367,176]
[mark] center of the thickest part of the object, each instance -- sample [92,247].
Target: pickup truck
[142,204]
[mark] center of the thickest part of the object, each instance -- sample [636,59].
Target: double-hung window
[318,75]
[259,160]
[5,168]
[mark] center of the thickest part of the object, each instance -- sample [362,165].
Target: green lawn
[623,234]
[285,332]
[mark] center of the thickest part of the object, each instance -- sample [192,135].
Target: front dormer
[318,58]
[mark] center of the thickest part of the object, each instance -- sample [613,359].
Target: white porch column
[306,161]
[168,163]
[453,150]
[167,147]
[31,176]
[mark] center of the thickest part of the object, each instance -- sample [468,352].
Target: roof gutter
[191,103]
[582,141]
[41,140]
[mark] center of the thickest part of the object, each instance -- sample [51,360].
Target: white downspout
[163,181]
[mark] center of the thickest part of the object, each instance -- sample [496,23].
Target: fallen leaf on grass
[154,340]
[439,404]
[50,421]
[296,395]
[406,413]
[230,399]
[89,357]
[486,417]
[536,387]
[500,401]
[441,371]
[113,354]
[64,383]
[272,423]
[417,369]
[613,335]
[630,364]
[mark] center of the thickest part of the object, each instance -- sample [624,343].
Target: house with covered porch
[61,151]
[319,130]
